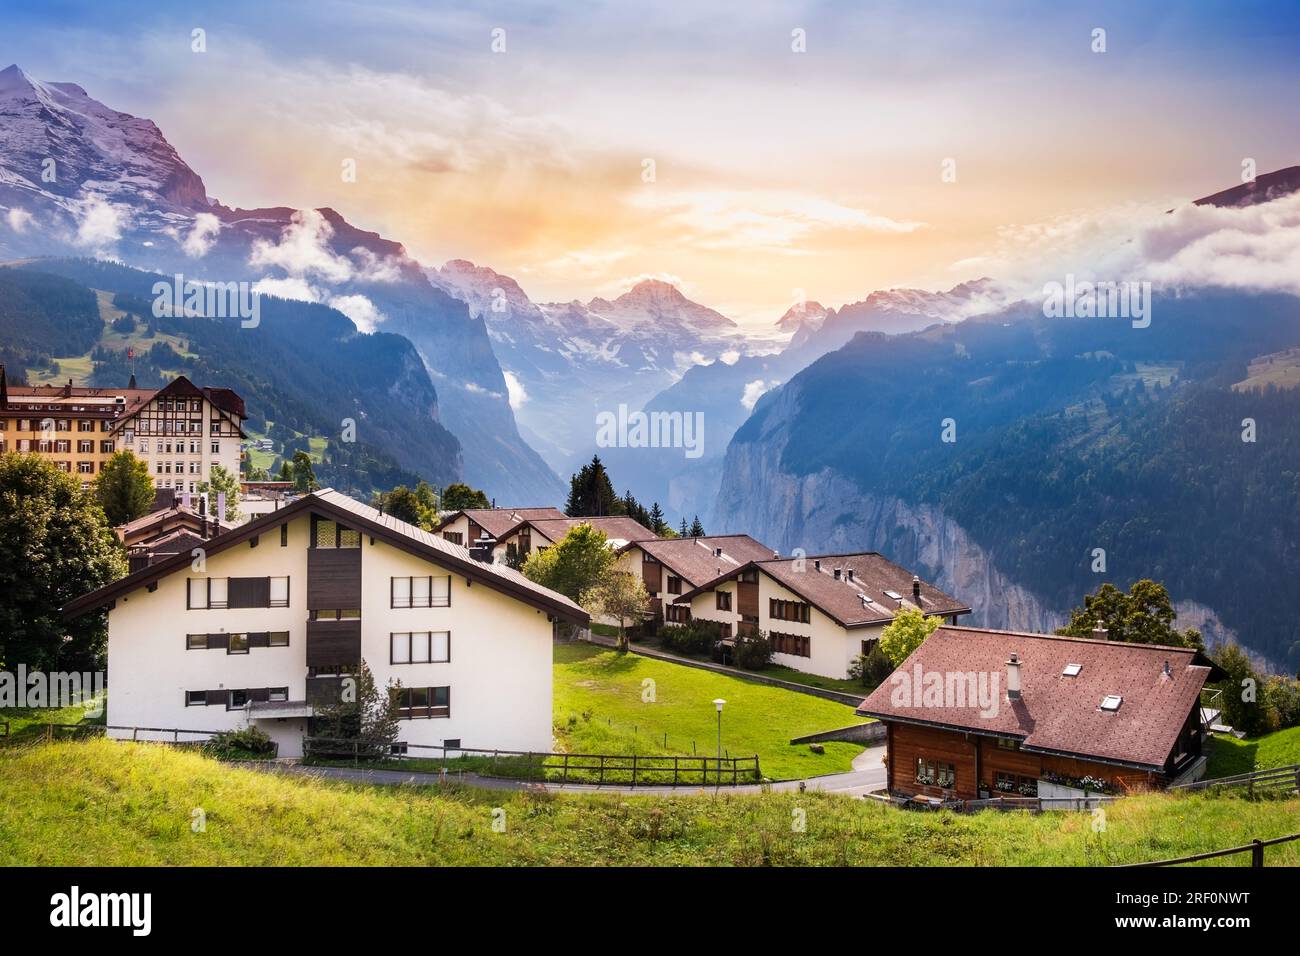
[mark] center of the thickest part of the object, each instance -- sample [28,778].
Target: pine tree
[591,493]
[684,531]
[657,523]
[697,529]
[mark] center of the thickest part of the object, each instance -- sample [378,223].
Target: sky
[580,147]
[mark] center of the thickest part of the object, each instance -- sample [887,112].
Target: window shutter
[216,696]
[218,641]
[259,639]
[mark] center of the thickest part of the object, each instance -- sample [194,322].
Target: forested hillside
[1072,435]
[304,366]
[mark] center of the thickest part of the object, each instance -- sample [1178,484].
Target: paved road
[868,774]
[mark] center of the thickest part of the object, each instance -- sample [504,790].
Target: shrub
[248,742]
[693,638]
[753,652]
[871,668]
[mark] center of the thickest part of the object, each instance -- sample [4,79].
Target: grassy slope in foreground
[1229,756]
[103,803]
[757,719]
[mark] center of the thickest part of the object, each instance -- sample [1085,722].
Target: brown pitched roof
[842,599]
[497,521]
[369,521]
[695,560]
[1057,714]
[615,527]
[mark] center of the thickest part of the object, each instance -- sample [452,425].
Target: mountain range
[1072,436]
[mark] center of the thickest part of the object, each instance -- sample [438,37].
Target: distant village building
[671,567]
[980,713]
[181,430]
[820,612]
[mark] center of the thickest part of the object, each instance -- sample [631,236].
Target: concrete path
[868,774]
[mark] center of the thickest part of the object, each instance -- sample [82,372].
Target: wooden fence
[1255,848]
[1275,780]
[635,770]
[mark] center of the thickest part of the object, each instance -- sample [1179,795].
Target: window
[238,644]
[798,645]
[723,600]
[426,591]
[415,703]
[677,613]
[237,699]
[86,467]
[106,447]
[279,595]
[1005,782]
[796,611]
[284,536]
[674,584]
[204,593]
[196,698]
[420,647]
[932,773]
[455,537]
[196,642]
[216,448]
[277,694]
[85,426]
[345,614]
[330,534]
[278,639]
[1006,743]
[85,447]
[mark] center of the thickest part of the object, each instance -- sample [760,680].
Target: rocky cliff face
[825,513]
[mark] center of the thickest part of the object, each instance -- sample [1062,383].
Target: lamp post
[718,703]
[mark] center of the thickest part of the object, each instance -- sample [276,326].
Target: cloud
[99,222]
[755,390]
[729,357]
[203,236]
[1255,247]
[359,309]
[303,249]
[287,289]
[19,219]
[515,389]
[768,220]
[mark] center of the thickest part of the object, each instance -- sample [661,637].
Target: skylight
[1111,702]
[1071,670]
[893,595]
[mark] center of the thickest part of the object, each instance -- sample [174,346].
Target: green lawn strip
[31,723]
[1230,756]
[75,804]
[599,709]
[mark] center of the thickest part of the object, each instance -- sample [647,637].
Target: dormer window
[1111,702]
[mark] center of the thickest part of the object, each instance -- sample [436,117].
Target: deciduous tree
[124,488]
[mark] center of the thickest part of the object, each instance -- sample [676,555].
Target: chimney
[916,590]
[1013,678]
[67,389]
[848,574]
[1167,673]
[481,549]
[717,552]
[1099,632]
[839,573]
[817,564]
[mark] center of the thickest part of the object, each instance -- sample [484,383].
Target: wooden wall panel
[333,642]
[333,578]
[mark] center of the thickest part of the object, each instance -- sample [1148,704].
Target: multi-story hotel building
[288,606]
[180,430]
